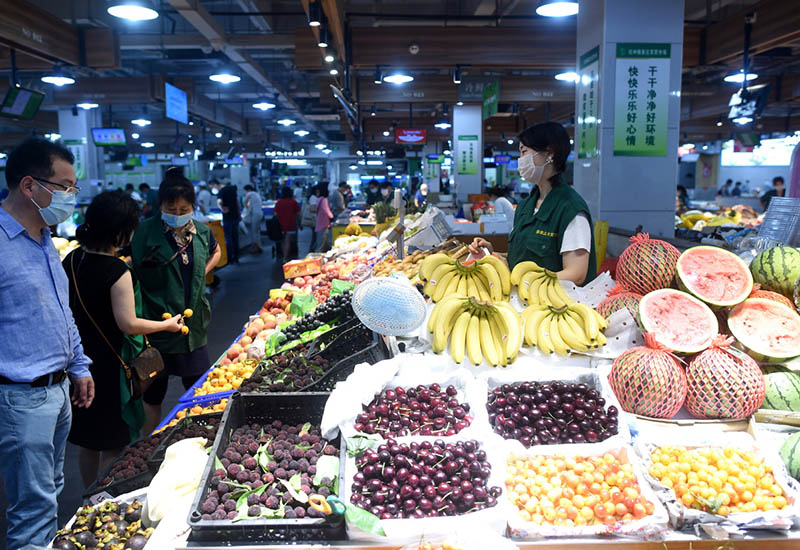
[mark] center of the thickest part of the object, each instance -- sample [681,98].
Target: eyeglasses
[71,189]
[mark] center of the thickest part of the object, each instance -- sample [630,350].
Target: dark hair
[343,184]
[129,186]
[286,192]
[110,220]
[175,186]
[373,182]
[738,183]
[728,181]
[143,186]
[497,191]
[387,184]
[777,179]
[682,188]
[34,157]
[322,187]
[248,187]
[548,136]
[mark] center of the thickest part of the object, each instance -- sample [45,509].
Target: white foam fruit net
[389,306]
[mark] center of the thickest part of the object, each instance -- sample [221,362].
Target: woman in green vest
[171,256]
[553,226]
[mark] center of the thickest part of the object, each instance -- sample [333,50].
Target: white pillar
[468,149]
[75,128]
[625,190]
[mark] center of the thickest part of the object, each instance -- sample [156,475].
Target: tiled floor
[242,291]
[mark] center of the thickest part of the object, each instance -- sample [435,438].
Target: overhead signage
[471,87]
[176,106]
[411,136]
[108,137]
[502,159]
[433,158]
[588,103]
[491,95]
[641,105]
[468,154]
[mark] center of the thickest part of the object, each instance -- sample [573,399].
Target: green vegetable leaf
[268,513]
[305,429]
[359,444]
[263,457]
[364,520]
[327,466]
[296,493]
[218,463]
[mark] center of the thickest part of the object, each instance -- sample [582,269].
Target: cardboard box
[301,268]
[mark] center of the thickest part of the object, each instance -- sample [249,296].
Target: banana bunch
[483,329]
[537,285]
[487,279]
[574,327]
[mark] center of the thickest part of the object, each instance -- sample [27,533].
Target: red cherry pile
[424,410]
[423,479]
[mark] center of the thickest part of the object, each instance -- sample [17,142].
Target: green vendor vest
[162,285]
[538,237]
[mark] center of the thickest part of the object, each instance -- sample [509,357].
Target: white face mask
[529,171]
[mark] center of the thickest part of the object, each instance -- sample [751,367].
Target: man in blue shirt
[42,347]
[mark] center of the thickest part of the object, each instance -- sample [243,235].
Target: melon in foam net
[768,329]
[714,275]
[679,321]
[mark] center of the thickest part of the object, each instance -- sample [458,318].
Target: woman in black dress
[107,303]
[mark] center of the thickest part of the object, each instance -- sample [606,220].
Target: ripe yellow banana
[498,336]
[472,290]
[487,343]
[510,319]
[474,341]
[543,336]
[555,294]
[458,338]
[439,272]
[528,282]
[541,291]
[432,320]
[431,263]
[555,336]
[495,286]
[573,334]
[440,290]
[521,269]
[589,317]
[502,271]
[533,317]
[444,323]
[483,287]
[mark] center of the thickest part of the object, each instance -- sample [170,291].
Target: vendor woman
[552,227]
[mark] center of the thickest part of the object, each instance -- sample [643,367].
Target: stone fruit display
[568,491]
[551,413]
[423,479]
[132,461]
[269,471]
[285,373]
[109,526]
[486,279]
[769,330]
[720,481]
[647,264]
[678,321]
[424,410]
[714,275]
[482,329]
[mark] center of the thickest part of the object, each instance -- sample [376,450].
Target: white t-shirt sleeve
[578,235]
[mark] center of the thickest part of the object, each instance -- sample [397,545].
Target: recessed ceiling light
[557,8]
[738,78]
[132,10]
[443,125]
[510,141]
[688,145]
[329,57]
[148,144]
[53,136]
[353,167]
[327,151]
[58,79]
[398,78]
[218,135]
[225,78]
[334,71]
[135,135]
[743,120]
[459,103]
[286,122]
[230,141]
[568,76]
[191,141]
[141,122]
[87,106]
[301,133]
[263,105]
[321,146]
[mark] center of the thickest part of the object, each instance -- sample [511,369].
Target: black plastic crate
[138,481]
[352,340]
[323,340]
[174,435]
[290,408]
[340,371]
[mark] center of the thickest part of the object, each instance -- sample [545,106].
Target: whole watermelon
[777,269]
[647,264]
[790,454]
[781,389]
[619,298]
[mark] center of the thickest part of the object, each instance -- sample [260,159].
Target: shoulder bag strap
[127,369]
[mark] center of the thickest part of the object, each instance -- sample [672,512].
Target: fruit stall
[657,409]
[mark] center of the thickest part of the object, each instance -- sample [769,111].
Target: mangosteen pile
[269,471]
[109,526]
[285,374]
[132,462]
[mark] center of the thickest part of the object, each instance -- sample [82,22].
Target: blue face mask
[176,221]
[61,207]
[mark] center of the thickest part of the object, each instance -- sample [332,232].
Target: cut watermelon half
[715,276]
[679,321]
[769,330]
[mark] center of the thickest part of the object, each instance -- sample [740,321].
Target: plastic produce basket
[292,408]
[203,401]
[124,486]
[171,436]
[374,352]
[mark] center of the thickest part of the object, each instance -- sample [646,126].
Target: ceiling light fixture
[286,122]
[87,106]
[58,78]
[218,135]
[373,111]
[386,133]
[133,10]
[568,76]
[263,105]
[557,8]
[738,78]
[378,75]
[230,141]
[329,57]
[510,141]
[321,146]
[719,121]
[322,39]
[141,122]
[224,78]
[443,125]
[327,151]
[53,136]
[459,103]
[314,14]
[191,122]
[353,167]
[688,146]
[457,75]
[191,142]
[135,135]
[742,120]
[398,78]
[301,133]
[148,144]
[334,71]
